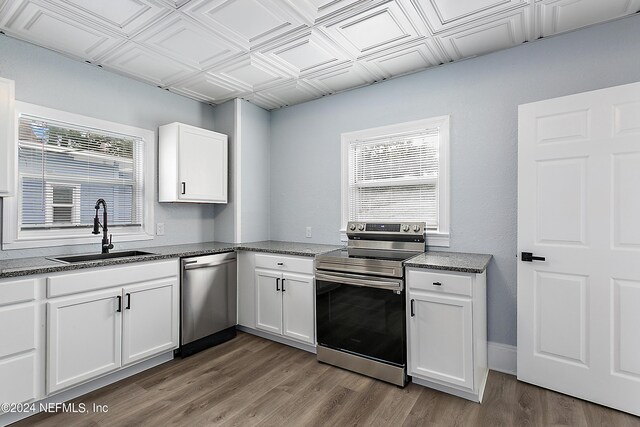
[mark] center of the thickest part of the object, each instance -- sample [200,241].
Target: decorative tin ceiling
[283,52]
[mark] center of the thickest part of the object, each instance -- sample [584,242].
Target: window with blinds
[64,168]
[394,177]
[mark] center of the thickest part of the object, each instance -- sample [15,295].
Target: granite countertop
[288,248]
[452,261]
[42,265]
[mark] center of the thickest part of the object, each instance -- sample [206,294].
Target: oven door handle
[391,285]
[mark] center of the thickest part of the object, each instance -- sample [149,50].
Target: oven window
[369,322]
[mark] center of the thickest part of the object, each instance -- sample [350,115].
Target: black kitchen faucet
[106,241]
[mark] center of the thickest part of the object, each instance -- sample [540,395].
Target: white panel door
[202,160]
[441,338]
[268,301]
[579,208]
[84,336]
[150,324]
[298,307]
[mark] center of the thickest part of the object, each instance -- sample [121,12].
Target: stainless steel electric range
[360,299]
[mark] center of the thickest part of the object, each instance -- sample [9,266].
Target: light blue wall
[482,96]
[255,132]
[46,78]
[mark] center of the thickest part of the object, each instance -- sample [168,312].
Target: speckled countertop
[452,261]
[42,265]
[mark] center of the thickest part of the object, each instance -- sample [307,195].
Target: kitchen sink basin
[97,257]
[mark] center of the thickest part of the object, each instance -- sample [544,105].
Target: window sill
[33,242]
[434,239]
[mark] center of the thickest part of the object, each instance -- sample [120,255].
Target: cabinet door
[268,301]
[441,338]
[7,138]
[298,307]
[202,162]
[150,324]
[84,336]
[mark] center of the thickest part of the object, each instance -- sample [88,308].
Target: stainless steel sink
[96,257]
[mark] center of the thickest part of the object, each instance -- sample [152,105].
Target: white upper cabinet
[193,165]
[7,138]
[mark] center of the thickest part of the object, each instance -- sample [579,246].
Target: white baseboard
[502,357]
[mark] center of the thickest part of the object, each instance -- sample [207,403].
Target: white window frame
[439,237]
[14,238]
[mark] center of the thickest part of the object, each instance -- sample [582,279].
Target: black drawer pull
[283,284]
[184,188]
[281,263]
[128,307]
[437,284]
[413,313]
[119,310]
[278,284]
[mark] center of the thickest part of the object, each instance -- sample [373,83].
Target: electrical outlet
[308,233]
[160,229]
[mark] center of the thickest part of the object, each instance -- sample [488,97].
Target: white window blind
[395,177]
[64,168]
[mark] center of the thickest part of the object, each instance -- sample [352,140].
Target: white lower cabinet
[268,301]
[440,333]
[283,304]
[297,305]
[93,333]
[84,338]
[276,294]
[21,338]
[446,326]
[151,323]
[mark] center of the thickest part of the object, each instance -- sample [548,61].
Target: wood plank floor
[251,381]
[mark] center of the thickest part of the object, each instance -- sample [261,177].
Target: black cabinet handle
[281,263]
[119,310]
[278,284]
[184,188]
[413,313]
[528,257]
[128,307]
[283,285]
[437,284]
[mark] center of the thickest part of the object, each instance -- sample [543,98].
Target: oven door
[363,315]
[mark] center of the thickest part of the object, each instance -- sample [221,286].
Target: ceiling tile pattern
[283,52]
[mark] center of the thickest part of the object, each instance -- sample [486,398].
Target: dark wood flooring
[251,381]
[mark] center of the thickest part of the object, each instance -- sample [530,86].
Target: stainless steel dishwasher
[208,299]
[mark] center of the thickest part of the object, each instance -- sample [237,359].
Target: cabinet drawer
[285,263]
[449,283]
[19,336]
[109,277]
[18,379]
[17,291]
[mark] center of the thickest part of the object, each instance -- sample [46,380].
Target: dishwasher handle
[194,265]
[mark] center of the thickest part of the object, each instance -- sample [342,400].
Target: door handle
[184,187]
[128,307]
[413,313]
[278,284]
[119,310]
[283,285]
[528,257]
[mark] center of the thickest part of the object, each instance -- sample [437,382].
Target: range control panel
[358,227]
